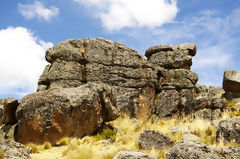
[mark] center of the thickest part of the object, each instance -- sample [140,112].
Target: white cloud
[118,14]
[22,61]
[37,9]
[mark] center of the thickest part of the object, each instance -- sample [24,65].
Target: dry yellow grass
[129,130]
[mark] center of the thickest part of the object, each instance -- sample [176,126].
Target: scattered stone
[55,113]
[231,81]
[132,155]
[13,150]
[229,129]
[150,139]
[106,143]
[188,149]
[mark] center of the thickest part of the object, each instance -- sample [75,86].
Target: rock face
[132,155]
[77,62]
[229,129]
[59,112]
[8,108]
[150,139]
[175,82]
[188,149]
[231,81]
[13,150]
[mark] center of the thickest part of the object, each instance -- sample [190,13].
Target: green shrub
[107,134]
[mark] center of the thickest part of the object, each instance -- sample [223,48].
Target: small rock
[13,150]
[190,137]
[231,81]
[188,149]
[132,155]
[189,46]
[150,139]
[106,143]
[229,129]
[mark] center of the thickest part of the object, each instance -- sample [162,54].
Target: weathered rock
[186,101]
[13,150]
[202,97]
[172,59]
[1,114]
[178,78]
[55,113]
[191,47]
[8,106]
[208,114]
[132,155]
[166,103]
[229,129]
[150,139]
[231,81]
[188,149]
[77,62]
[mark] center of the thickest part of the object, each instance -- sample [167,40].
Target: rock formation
[91,81]
[64,112]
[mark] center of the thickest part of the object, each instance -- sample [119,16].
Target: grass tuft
[1,154]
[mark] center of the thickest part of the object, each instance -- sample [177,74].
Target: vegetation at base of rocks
[37,148]
[128,130]
[1,154]
[107,134]
[63,141]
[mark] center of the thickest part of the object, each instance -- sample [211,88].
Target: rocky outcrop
[189,149]
[13,150]
[132,155]
[77,62]
[231,81]
[59,112]
[175,82]
[229,129]
[151,139]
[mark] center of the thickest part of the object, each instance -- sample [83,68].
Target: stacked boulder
[175,81]
[77,62]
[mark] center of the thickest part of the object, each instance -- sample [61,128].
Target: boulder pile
[92,81]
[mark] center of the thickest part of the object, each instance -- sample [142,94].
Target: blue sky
[28,28]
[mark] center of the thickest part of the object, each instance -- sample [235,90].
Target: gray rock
[229,129]
[188,149]
[215,92]
[208,114]
[155,49]
[186,100]
[73,112]
[231,81]
[13,150]
[172,59]
[166,103]
[191,47]
[132,155]
[150,139]
[8,106]
[179,78]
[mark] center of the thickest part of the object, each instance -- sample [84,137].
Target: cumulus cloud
[22,61]
[118,14]
[37,9]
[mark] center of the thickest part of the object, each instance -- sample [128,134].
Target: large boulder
[132,155]
[151,139]
[229,129]
[78,61]
[8,108]
[189,149]
[172,57]
[73,112]
[13,150]
[231,81]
